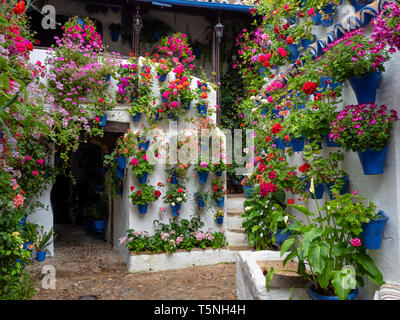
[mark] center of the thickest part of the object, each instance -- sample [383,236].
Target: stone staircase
[235,235]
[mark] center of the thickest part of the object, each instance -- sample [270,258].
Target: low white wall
[179,260]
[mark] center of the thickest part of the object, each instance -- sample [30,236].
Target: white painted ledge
[250,281]
[179,260]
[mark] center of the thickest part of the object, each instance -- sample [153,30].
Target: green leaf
[286,245]
[309,237]
[325,277]
[339,251]
[343,281]
[302,209]
[318,254]
[255,228]
[372,271]
[289,257]
[269,277]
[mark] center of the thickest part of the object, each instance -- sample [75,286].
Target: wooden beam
[116,126]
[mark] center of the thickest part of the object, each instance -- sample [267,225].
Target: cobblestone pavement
[86,265]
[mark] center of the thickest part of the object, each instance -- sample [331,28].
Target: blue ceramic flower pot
[175,209]
[162,77]
[115,36]
[342,190]
[156,117]
[144,145]
[365,87]
[172,117]
[142,208]
[120,172]
[279,143]
[317,19]
[307,42]
[22,221]
[99,225]
[203,176]
[202,109]
[121,162]
[41,255]
[331,143]
[200,200]
[317,296]
[26,244]
[219,173]
[137,116]
[174,178]
[372,161]
[372,234]
[88,226]
[248,191]
[143,178]
[262,72]
[219,220]
[281,237]
[294,52]
[202,85]
[81,22]
[319,191]
[103,121]
[297,144]
[329,9]
[220,202]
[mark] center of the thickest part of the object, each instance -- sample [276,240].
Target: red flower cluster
[310,87]
[157,193]
[305,167]
[180,190]
[276,128]
[19,7]
[267,188]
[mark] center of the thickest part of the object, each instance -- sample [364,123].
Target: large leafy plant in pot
[330,254]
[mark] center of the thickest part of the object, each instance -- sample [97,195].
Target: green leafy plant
[328,244]
[29,234]
[147,194]
[218,189]
[175,195]
[44,239]
[219,213]
[141,165]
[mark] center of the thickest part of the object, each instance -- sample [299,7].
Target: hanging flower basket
[203,176]
[342,190]
[219,220]
[103,121]
[143,208]
[175,209]
[137,116]
[200,200]
[220,202]
[162,77]
[248,191]
[372,161]
[365,87]
[372,234]
[119,172]
[121,162]
[202,109]
[143,178]
[296,144]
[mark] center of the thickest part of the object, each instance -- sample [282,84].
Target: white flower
[286,218]
[179,199]
[173,204]
[246,150]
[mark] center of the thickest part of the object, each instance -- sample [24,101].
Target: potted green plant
[141,166]
[44,239]
[29,235]
[143,197]
[365,129]
[175,196]
[219,216]
[218,192]
[203,169]
[328,249]
[143,102]
[361,66]
[201,198]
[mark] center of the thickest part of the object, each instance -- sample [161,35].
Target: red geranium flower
[290,201]
[276,128]
[157,193]
[180,190]
[310,87]
[305,167]
[19,7]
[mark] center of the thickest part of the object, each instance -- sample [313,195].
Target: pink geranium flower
[355,242]
[40,161]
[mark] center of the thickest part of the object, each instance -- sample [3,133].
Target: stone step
[234,222]
[239,248]
[235,202]
[236,230]
[233,213]
[236,239]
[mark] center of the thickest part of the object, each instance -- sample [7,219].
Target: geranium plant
[218,189]
[146,195]
[175,195]
[141,165]
[363,126]
[353,55]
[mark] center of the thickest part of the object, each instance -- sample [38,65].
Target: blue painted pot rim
[317,296]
